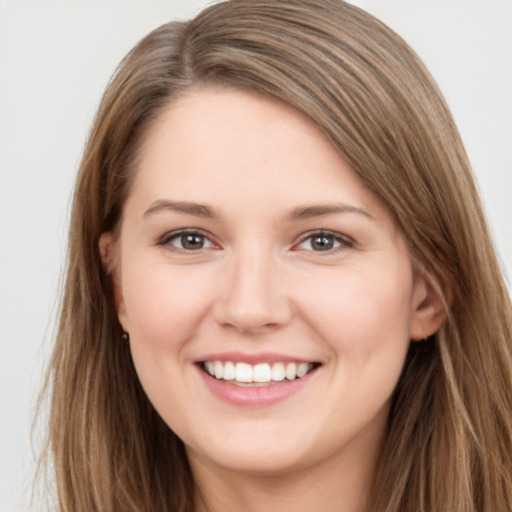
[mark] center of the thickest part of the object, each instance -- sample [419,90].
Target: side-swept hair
[448,445]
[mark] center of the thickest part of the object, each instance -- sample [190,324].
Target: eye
[324,241]
[185,240]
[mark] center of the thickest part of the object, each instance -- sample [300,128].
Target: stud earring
[125,336]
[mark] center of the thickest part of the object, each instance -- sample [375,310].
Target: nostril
[252,317]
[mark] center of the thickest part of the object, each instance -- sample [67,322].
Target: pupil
[192,241]
[322,243]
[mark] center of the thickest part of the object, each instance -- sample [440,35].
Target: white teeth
[291,371]
[302,369]
[262,373]
[210,366]
[243,372]
[259,373]
[229,371]
[219,370]
[278,372]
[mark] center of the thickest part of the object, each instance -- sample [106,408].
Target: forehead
[231,146]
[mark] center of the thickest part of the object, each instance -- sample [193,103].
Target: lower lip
[254,396]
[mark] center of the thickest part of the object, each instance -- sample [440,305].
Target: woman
[281,290]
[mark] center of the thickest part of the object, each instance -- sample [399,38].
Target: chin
[255,462]
[252,454]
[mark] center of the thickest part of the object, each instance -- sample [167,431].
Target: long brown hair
[449,441]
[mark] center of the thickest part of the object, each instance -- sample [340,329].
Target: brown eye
[324,241]
[192,241]
[186,241]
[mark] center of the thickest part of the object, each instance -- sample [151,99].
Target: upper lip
[264,357]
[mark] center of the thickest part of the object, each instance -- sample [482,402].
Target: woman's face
[268,295]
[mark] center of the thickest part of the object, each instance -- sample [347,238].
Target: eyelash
[343,241]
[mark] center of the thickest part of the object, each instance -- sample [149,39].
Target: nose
[253,297]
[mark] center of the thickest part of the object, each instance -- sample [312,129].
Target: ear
[108,256]
[430,308]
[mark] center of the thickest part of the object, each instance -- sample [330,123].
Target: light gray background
[56,57]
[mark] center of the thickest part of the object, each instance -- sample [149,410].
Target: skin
[259,285]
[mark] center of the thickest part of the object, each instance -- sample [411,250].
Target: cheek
[364,318]
[362,313]
[164,304]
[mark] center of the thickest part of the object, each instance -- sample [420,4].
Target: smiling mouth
[257,375]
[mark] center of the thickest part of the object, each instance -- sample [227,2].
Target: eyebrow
[189,208]
[308,212]
[207,212]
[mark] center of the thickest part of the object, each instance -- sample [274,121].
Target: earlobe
[106,247]
[430,309]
